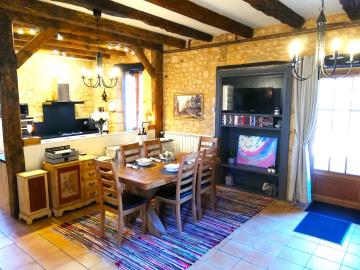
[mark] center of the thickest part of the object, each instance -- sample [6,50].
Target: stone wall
[39,76]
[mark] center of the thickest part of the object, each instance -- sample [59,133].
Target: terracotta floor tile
[31,266]
[244,238]
[89,259]
[355,239]
[104,266]
[343,267]
[279,237]
[72,265]
[244,265]
[259,258]
[5,241]
[12,263]
[236,249]
[353,248]
[342,247]
[282,264]
[352,261]
[295,256]
[303,245]
[54,260]
[269,247]
[317,263]
[222,260]
[10,251]
[75,250]
[330,254]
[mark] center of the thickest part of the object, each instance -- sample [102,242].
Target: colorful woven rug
[174,250]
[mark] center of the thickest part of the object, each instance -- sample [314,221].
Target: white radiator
[183,142]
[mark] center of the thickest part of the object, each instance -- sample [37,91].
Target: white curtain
[305,103]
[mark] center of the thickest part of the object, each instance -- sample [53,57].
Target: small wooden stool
[33,195]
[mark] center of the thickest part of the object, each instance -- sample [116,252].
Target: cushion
[129,200]
[169,192]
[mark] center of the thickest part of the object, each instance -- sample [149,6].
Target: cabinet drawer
[92,193]
[89,165]
[90,184]
[89,175]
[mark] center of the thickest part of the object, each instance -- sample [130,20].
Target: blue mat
[333,211]
[323,227]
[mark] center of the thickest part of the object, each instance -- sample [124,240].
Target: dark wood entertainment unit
[253,114]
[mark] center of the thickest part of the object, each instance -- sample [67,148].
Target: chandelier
[99,80]
[325,66]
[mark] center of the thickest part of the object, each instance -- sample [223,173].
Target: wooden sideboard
[72,184]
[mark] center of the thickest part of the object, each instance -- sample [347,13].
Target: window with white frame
[132,100]
[336,142]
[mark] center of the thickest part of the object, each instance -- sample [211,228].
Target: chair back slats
[109,186]
[186,178]
[207,142]
[130,153]
[152,148]
[207,166]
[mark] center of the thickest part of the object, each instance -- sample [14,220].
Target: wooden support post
[10,111]
[139,52]
[34,45]
[157,91]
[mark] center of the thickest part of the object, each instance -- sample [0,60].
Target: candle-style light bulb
[336,44]
[354,48]
[294,50]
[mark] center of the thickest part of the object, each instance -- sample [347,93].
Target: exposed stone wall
[39,76]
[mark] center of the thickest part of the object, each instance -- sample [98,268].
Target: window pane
[353,158]
[322,140]
[326,94]
[356,95]
[129,102]
[343,91]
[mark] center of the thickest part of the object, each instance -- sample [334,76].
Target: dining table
[146,181]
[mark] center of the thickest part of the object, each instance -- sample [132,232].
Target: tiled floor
[265,242]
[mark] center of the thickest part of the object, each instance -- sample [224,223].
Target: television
[257,100]
[257,151]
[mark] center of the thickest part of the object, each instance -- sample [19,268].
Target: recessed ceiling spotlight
[56,52]
[20,31]
[109,47]
[32,31]
[59,37]
[117,47]
[63,53]
[126,49]
[132,52]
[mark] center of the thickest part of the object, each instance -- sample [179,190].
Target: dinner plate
[144,161]
[173,167]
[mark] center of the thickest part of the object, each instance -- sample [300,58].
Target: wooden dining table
[146,181]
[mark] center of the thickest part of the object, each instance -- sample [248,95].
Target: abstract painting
[189,106]
[257,151]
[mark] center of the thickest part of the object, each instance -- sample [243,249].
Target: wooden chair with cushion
[130,153]
[207,142]
[152,148]
[183,190]
[114,200]
[206,178]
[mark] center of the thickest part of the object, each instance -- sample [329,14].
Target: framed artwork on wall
[189,106]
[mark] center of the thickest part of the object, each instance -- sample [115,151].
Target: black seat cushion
[129,200]
[169,192]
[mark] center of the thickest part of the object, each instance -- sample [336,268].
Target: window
[132,98]
[336,144]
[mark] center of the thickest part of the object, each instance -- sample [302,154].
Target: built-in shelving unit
[252,114]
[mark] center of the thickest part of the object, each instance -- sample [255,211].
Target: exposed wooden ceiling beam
[70,44]
[352,8]
[139,52]
[76,19]
[33,46]
[77,30]
[206,16]
[118,10]
[279,11]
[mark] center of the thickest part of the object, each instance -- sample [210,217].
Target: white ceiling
[235,9]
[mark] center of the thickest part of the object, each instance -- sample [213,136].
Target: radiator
[183,142]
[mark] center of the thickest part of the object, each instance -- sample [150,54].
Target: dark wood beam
[76,18]
[10,111]
[279,11]
[34,45]
[118,10]
[139,52]
[352,8]
[157,95]
[206,16]
[77,30]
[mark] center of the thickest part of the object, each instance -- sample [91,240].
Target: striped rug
[174,250]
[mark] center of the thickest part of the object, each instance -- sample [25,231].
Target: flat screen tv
[257,151]
[257,100]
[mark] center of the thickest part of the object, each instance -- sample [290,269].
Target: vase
[100,127]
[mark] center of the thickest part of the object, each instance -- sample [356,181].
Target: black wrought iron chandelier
[325,66]
[99,80]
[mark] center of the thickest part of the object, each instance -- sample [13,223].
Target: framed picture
[189,106]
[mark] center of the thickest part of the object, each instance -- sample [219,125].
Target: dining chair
[206,142]
[130,153]
[183,190]
[205,184]
[114,200]
[152,148]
